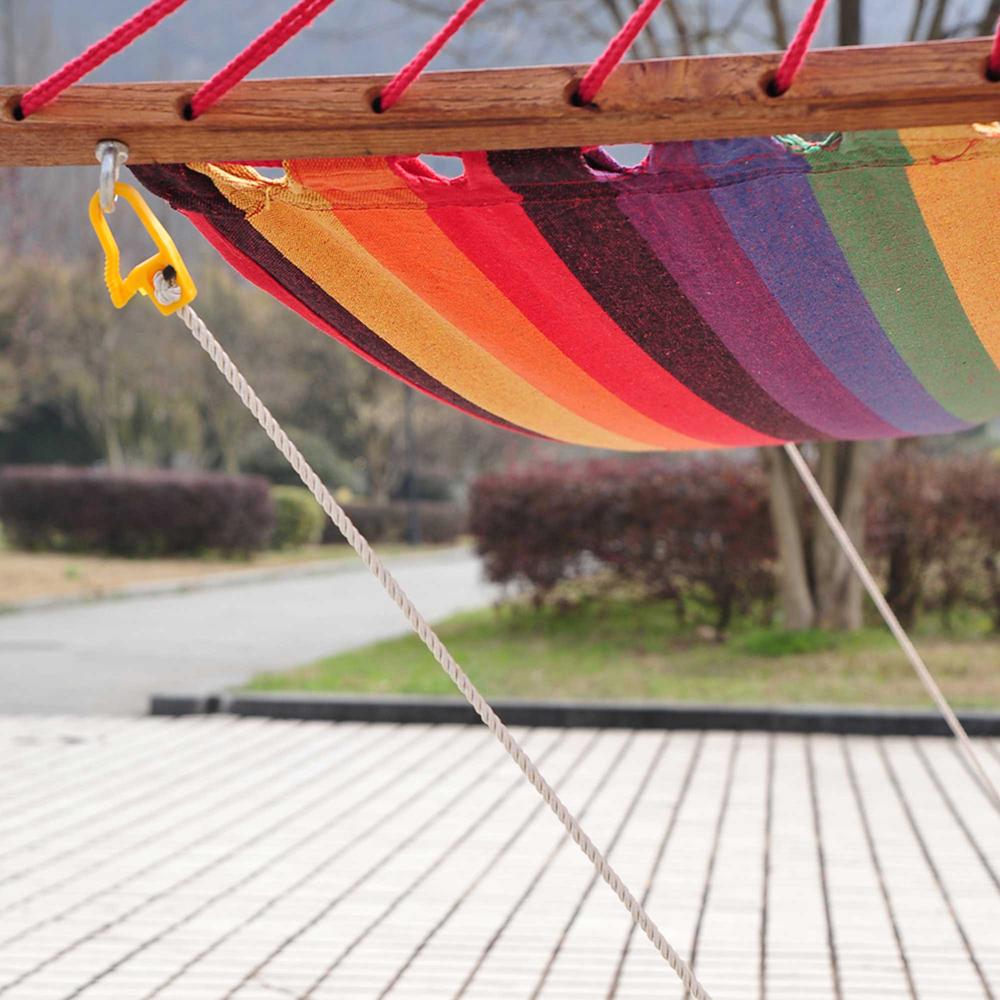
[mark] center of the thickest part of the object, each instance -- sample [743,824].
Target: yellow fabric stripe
[955,183]
[301,226]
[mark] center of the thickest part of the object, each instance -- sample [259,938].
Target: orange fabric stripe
[299,223]
[410,244]
[955,186]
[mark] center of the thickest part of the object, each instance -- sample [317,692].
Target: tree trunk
[786,518]
[779,31]
[843,469]
[849,27]
[902,587]
[413,532]
[114,453]
[988,22]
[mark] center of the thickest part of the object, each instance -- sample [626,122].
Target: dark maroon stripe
[581,221]
[193,193]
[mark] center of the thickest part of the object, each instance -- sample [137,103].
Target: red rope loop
[594,78]
[52,86]
[795,54]
[393,90]
[265,45]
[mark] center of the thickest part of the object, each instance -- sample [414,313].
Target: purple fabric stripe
[670,204]
[783,232]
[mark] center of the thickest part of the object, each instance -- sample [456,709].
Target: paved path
[212,858]
[110,656]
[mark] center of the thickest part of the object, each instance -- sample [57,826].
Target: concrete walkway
[215,858]
[109,657]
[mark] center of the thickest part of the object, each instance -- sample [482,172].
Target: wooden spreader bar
[708,97]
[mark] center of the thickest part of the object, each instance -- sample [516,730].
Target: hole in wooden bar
[771,87]
[992,75]
[12,110]
[184,108]
[573,97]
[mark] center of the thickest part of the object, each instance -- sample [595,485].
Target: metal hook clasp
[111,154]
[165,266]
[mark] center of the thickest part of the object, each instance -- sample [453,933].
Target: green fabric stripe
[862,187]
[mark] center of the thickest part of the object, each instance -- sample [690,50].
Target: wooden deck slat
[249,860]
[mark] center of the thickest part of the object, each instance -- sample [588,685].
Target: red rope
[594,78]
[795,54]
[126,33]
[393,91]
[284,29]
[993,65]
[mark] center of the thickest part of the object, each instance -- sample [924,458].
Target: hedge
[674,527]
[440,522]
[130,513]
[702,526]
[933,528]
[299,519]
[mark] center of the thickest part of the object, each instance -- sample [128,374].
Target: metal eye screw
[111,154]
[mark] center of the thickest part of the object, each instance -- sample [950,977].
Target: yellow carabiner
[166,261]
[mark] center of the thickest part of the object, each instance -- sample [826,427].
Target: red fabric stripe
[537,281]
[579,218]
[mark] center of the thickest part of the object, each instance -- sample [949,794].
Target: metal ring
[111,154]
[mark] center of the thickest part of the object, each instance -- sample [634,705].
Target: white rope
[849,550]
[165,291]
[336,514]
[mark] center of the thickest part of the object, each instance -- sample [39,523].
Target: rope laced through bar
[304,12]
[889,617]
[393,90]
[249,398]
[124,35]
[795,54]
[294,20]
[606,62]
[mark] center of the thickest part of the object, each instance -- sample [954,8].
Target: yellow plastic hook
[166,261]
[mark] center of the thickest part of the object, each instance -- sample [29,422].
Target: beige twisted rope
[360,545]
[906,644]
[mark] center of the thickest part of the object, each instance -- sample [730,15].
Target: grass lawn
[617,650]
[48,574]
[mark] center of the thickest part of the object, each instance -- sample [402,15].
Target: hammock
[725,293]
[722,294]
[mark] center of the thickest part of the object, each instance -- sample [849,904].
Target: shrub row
[674,528]
[167,512]
[298,520]
[134,513]
[933,527]
[440,522]
[702,526]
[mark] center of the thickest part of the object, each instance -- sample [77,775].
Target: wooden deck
[211,858]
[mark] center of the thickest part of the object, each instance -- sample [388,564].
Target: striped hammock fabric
[722,294]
